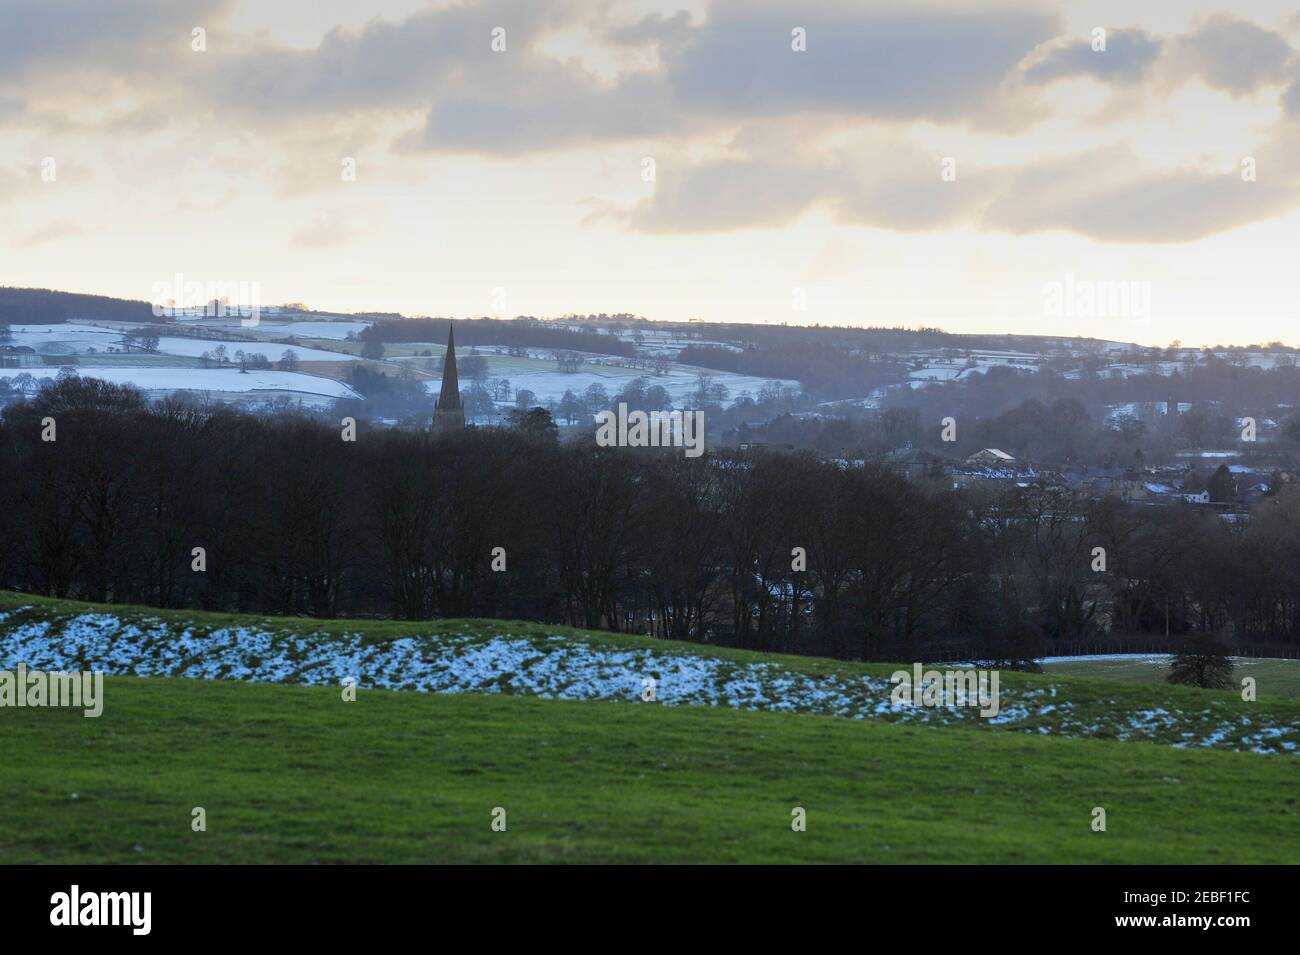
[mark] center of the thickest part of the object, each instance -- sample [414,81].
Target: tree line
[39,306]
[515,333]
[770,551]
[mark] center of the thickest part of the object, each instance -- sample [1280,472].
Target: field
[547,723]
[95,351]
[326,361]
[1272,677]
[540,376]
[323,349]
[219,380]
[293,774]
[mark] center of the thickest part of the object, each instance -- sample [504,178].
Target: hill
[292,773]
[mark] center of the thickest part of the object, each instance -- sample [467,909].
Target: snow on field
[218,380]
[271,326]
[558,667]
[1120,370]
[194,347]
[680,382]
[71,337]
[1154,659]
[654,341]
[335,330]
[936,373]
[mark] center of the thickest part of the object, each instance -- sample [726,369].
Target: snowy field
[337,331]
[195,347]
[558,667]
[936,373]
[75,339]
[539,373]
[1151,659]
[654,341]
[67,338]
[227,380]
[925,368]
[680,382]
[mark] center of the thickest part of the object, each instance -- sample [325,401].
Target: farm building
[991,457]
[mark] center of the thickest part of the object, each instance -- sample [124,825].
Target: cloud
[1110,195]
[12,107]
[59,38]
[1127,59]
[654,30]
[904,63]
[540,107]
[392,65]
[760,129]
[735,194]
[907,194]
[915,198]
[1105,194]
[1227,53]
[1291,96]
[897,62]
[1233,55]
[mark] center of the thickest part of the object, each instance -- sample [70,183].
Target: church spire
[448,413]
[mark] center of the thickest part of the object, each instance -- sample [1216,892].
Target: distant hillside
[864,339]
[516,332]
[39,306]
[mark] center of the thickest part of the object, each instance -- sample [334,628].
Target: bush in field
[1203,661]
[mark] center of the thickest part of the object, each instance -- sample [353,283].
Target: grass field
[32,363]
[1272,677]
[294,774]
[546,722]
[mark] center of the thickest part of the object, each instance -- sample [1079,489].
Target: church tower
[448,415]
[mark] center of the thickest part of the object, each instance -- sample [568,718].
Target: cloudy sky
[925,162]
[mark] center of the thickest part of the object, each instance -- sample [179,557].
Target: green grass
[380,630]
[1273,677]
[294,774]
[1046,704]
[344,348]
[113,360]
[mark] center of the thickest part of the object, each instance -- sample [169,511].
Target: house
[915,464]
[11,355]
[968,475]
[1126,484]
[992,457]
[1203,497]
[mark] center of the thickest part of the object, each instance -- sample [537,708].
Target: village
[1221,480]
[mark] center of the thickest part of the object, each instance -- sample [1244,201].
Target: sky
[928,162]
